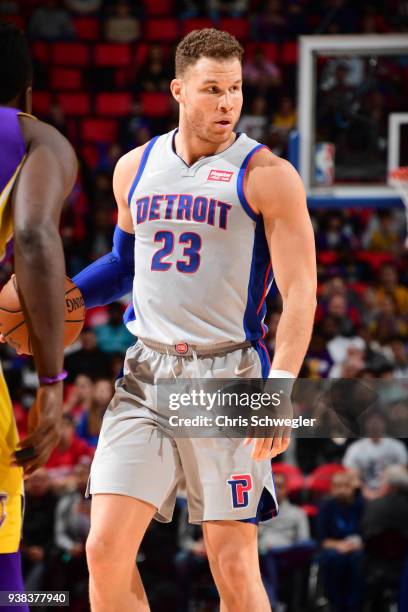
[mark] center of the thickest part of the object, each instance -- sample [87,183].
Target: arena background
[102,72]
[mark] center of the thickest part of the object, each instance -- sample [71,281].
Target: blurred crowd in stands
[101,73]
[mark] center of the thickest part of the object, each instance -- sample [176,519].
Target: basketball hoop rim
[399,176]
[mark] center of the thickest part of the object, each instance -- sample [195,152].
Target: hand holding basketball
[13,328]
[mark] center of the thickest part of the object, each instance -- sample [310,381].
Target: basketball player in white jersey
[210,209]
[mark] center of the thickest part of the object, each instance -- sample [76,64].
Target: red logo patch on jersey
[220,175]
[181,348]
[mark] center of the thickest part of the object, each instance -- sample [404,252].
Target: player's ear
[176,89]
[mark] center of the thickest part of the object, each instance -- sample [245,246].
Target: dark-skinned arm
[45,180]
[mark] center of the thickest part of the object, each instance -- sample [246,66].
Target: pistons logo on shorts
[181,348]
[240,485]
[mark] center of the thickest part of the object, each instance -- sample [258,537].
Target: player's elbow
[35,238]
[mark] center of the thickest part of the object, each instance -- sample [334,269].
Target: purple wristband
[46,380]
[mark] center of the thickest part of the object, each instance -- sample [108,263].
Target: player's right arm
[45,180]
[111,276]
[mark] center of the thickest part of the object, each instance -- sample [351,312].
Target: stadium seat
[236,26]
[270,50]
[289,53]
[70,54]
[40,51]
[107,54]
[166,30]
[90,155]
[77,104]
[41,102]
[18,20]
[319,481]
[65,78]
[155,8]
[87,28]
[155,104]
[375,258]
[295,481]
[188,25]
[113,104]
[99,130]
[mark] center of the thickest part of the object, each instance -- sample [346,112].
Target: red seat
[295,481]
[41,102]
[18,20]
[154,8]
[239,27]
[107,54]
[87,28]
[188,25]
[375,258]
[77,104]
[99,130]
[155,104]
[166,30]
[70,54]
[40,51]
[310,509]
[90,154]
[289,53]
[113,104]
[65,78]
[270,50]
[319,481]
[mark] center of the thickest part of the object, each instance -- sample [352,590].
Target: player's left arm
[276,192]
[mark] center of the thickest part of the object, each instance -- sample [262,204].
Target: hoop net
[399,180]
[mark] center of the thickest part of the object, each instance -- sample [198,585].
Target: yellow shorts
[11,478]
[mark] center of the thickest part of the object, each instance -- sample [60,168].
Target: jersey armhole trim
[141,168]
[240,183]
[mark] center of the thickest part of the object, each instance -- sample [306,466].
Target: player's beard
[197,122]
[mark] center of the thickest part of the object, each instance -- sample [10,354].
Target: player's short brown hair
[208,42]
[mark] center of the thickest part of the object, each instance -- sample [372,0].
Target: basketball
[12,321]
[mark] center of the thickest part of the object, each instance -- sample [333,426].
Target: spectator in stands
[228,8]
[370,456]
[383,233]
[89,361]
[71,531]
[285,550]
[385,531]
[70,451]
[270,24]
[90,422]
[338,308]
[352,364]
[113,337]
[261,74]
[84,7]
[339,531]
[285,117]
[122,26]
[388,323]
[51,22]
[388,283]
[38,535]
[400,357]
[79,396]
[155,73]
[254,122]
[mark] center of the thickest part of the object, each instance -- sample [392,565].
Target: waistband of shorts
[184,349]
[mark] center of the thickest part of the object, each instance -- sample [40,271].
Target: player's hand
[273,439]
[44,425]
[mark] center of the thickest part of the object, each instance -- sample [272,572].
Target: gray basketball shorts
[133,458]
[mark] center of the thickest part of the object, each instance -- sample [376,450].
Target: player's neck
[191,148]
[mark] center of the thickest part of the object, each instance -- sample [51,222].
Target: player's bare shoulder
[37,134]
[125,172]
[272,183]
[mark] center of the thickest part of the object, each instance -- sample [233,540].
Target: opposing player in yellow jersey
[37,171]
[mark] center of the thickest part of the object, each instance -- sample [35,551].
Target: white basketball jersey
[202,264]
